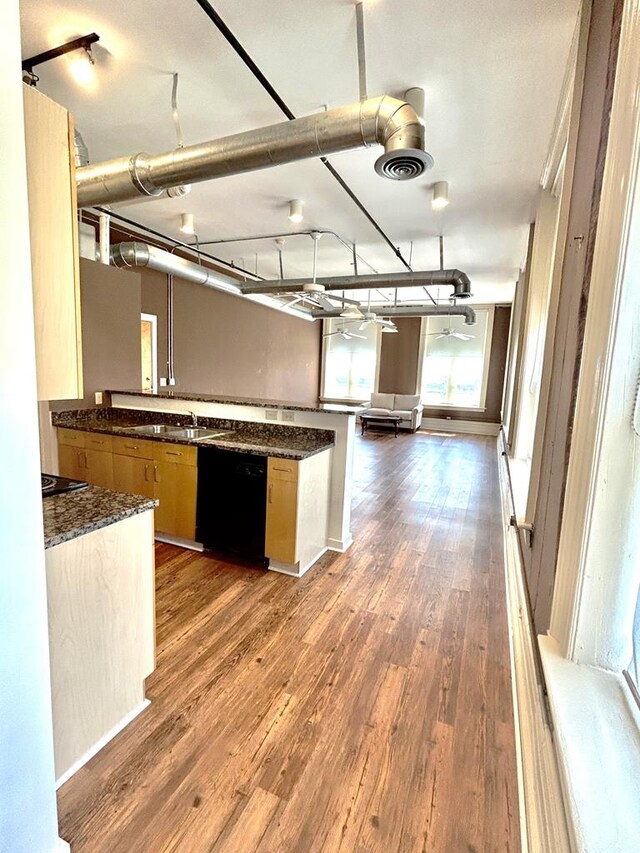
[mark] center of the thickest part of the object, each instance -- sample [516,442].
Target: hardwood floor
[364,707]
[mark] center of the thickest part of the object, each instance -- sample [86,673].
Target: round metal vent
[403,164]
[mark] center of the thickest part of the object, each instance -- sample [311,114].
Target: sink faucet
[194,419]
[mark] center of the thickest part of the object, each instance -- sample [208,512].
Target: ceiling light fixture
[186,223]
[440,195]
[81,67]
[295,211]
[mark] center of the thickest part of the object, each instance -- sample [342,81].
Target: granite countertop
[171,394]
[261,439]
[73,514]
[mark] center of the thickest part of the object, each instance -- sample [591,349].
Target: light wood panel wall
[101,603]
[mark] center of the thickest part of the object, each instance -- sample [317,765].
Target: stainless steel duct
[407,311]
[384,120]
[453,277]
[142,255]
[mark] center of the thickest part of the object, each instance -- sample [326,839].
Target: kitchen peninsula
[101,614]
[268,481]
[320,416]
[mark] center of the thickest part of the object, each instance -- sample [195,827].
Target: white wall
[28,819]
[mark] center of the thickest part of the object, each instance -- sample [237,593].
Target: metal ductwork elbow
[386,121]
[402,134]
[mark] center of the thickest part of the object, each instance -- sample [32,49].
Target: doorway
[149,352]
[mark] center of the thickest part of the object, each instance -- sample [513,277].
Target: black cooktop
[52,485]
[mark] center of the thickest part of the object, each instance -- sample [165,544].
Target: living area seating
[405,406]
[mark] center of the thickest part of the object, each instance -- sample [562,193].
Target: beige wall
[110,305]
[227,345]
[399,366]
[399,357]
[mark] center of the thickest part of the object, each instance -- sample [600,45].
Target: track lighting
[295,211]
[186,225]
[440,195]
[81,61]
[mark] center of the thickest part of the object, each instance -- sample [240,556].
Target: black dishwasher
[232,502]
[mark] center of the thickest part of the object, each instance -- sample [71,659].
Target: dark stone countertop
[261,439]
[188,396]
[73,514]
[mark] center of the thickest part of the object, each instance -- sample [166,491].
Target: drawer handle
[173,453]
[131,446]
[146,473]
[286,470]
[155,474]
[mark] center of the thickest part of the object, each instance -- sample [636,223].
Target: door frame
[153,319]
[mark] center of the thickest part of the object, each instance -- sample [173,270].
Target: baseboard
[290,570]
[543,820]
[104,740]
[177,540]
[340,545]
[448,425]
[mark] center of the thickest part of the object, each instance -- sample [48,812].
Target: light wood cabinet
[282,510]
[167,472]
[297,512]
[85,456]
[71,461]
[54,247]
[133,475]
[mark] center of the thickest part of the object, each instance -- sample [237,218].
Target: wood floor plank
[363,707]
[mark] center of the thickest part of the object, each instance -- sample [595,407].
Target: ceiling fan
[314,294]
[451,333]
[344,333]
[372,319]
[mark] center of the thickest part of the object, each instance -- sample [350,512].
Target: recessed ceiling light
[440,195]
[295,211]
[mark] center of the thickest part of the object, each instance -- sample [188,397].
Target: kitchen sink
[197,433]
[155,429]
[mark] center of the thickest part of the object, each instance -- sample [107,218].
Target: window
[349,363]
[454,370]
[634,666]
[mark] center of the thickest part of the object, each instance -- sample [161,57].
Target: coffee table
[379,419]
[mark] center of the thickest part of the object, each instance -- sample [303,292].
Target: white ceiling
[492,72]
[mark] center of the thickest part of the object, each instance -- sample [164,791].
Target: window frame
[326,326]
[490,309]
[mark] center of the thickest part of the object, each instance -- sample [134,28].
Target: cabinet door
[99,470]
[176,487]
[71,462]
[133,475]
[54,247]
[282,511]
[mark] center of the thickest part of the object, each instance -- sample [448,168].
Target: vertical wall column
[28,816]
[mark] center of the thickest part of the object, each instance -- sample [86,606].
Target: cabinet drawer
[182,454]
[71,437]
[282,469]
[132,447]
[97,441]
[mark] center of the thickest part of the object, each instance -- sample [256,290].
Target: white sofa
[405,406]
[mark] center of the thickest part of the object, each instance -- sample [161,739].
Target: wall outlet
[163,381]
[171,381]
[289,416]
[271,414]
[98,396]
